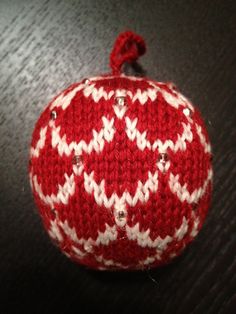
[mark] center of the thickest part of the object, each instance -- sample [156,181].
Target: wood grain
[47,45]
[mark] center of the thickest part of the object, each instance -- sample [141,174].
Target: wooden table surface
[47,45]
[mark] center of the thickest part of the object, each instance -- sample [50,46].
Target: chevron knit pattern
[120,169]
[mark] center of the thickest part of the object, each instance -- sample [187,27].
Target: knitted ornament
[120,168]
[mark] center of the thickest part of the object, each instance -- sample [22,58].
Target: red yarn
[127,48]
[121,171]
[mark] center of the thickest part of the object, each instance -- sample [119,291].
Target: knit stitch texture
[120,169]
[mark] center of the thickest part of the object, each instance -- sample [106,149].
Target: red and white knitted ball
[120,168]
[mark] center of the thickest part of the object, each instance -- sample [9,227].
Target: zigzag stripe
[90,90]
[182,192]
[63,194]
[64,101]
[196,222]
[108,262]
[176,100]
[34,152]
[103,238]
[142,192]
[98,190]
[143,239]
[97,142]
[206,146]
[142,142]
[99,93]
[110,234]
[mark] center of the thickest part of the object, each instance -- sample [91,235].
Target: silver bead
[187,112]
[86,81]
[163,158]
[53,115]
[88,247]
[77,160]
[120,101]
[121,215]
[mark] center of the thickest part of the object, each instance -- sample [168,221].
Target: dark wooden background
[47,45]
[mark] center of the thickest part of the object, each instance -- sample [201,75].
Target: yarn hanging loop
[128,47]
